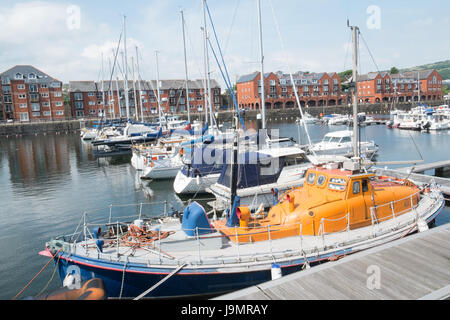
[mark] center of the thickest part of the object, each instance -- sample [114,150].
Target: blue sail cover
[254,169]
[206,160]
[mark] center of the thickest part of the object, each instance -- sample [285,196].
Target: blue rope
[228,86]
[227,78]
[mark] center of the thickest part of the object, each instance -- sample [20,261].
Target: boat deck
[415,267]
[216,250]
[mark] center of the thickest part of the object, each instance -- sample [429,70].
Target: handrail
[116,239]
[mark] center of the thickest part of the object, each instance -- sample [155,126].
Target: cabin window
[365,185]
[337,184]
[356,187]
[321,180]
[346,139]
[311,178]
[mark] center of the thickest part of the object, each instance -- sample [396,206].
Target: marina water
[47,182]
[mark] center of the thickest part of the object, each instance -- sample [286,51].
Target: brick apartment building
[314,89]
[377,87]
[87,97]
[28,94]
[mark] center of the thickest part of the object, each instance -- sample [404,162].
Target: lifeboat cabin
[331,200]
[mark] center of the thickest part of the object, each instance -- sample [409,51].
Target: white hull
[189,185]
[155,173]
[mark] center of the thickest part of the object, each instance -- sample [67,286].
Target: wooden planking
[410,268]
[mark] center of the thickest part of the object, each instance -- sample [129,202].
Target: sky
[66,39]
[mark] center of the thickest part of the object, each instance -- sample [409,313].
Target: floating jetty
[442,183]
[415,267]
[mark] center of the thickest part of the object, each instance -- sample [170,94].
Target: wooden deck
[415,267]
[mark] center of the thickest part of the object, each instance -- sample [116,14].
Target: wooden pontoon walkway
[415,267]
[421,168]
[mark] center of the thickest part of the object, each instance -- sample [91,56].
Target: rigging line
[347,45]
[418,151]
[115,60]
[228,87]
[225,67]
[231,26]
[290,72]
[370,53]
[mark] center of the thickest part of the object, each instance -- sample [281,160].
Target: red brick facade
[28,94]
[314,89]
[378,87]
[87,99]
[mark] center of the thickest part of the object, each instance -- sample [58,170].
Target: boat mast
[103,90]
[139,85]
[186,69]
[118,97]
[157,88]
[355,32]
[134,91]
[261,48]
[111,96]
[205,63]
[208,72]
[125,66]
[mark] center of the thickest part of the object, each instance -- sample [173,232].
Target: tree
[394,70]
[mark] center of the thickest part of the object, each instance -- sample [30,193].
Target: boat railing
[391,209]
[331,231]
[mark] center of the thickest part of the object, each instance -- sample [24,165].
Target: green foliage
[394,70]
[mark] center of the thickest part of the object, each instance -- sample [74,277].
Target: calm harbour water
[47,182]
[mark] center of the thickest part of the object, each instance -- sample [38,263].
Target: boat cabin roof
[340,134]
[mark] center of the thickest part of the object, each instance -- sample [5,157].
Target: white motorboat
[338,120]
[341,143]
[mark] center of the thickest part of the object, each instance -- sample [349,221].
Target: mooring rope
[29,283]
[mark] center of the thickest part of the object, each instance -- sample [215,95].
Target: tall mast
[103,90]
[118,97]
[134,91]
[186,69]
[111,96]
[139,85]
[125,66]
[157,88]
[263,103]
[355,32]
[205,48]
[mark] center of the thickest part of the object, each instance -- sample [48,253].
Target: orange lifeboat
[344,199]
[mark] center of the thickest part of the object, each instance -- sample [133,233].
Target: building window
[23,106]
[57,94]
[79,105]
[46,113]
[59,113]
[44,85]
[35,107]
[45,95]
[22,96]
[20,87]
[33,88]
[31,76]
[18,76]
[24,116]
[78,96]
